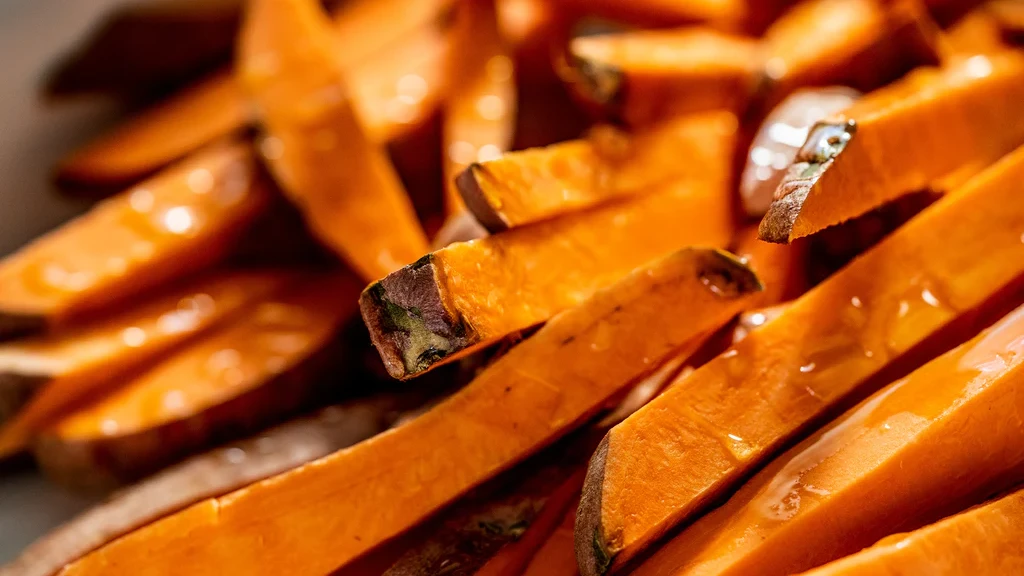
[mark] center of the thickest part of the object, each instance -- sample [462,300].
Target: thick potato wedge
[378,43]
[469,295]
[324,515]
[940,124]
[480,114]
[695,441]
[270,363]
[208,475]
[644,76]
[533,185]
[345,184]
[893,462]
[983,540]
[45,376]
[180,221]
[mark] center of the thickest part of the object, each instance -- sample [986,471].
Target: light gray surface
[33,136]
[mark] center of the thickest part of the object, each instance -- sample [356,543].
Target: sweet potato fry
[379,43]
[955,120]
[345,184]
[983,540]
[532,185]
[480,114]
[324,515]
[50,374]
[248,374]
[863,44]
[893,462]
[643,76]
[747,15]
[175,223]
[782,268]
[557,556]
[977,32]
[695,441]
[208,475]
[466,296]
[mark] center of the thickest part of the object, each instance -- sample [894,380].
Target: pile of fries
[652,287]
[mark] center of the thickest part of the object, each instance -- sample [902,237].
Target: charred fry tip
[593,555]
[596,81]
[727,275]
[468,184]
[408,322]
[825,142]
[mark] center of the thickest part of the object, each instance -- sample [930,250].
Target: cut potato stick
[208,475]
[557,556]
[345,184]
[977,32]
[954,120]
[847,485]
[640,77]
[695,441]
[325,515]
[178,222]
[863,44]
[983,540]
[748,15]
[480,114]
[50,374]
[250,373]
[469,295]
[532,185]
[218,106]
[782,268]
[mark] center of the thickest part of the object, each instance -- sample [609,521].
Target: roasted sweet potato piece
[42,377]
[532,185]
[218,106]
[269,363]
[557,556]
[863,44]
[177,222]
[640,77]
[893,462]
[208,475]
[940,124]
[695,441]
[977,32]
[466,296]
[345,184]
[480,114]
[982,540]
[782,268]
[324,515]
[748,15]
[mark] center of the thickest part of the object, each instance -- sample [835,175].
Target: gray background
[33,136]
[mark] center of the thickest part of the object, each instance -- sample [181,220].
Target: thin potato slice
[208,475]
[324,515]
[480,110]
[180,221]
[983,540]
[344,184]
[892,462]
[938,124]
[267,364]
[50,374]
[533,185]
[469,295]
[696,441]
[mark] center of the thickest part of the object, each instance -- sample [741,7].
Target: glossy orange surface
[695,441]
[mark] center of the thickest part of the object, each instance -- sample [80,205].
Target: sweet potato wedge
[479,116]
[983,540]
[695,441]
[376,55]
[863,44]
[781,268]
[346,186]
[891,463]
[50,374]
[557,556]
[643,76]
[208,475]
[268,364]
[735,15]
[177,222]
[532,185]
[954,120]
[466,296]
[324,515]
